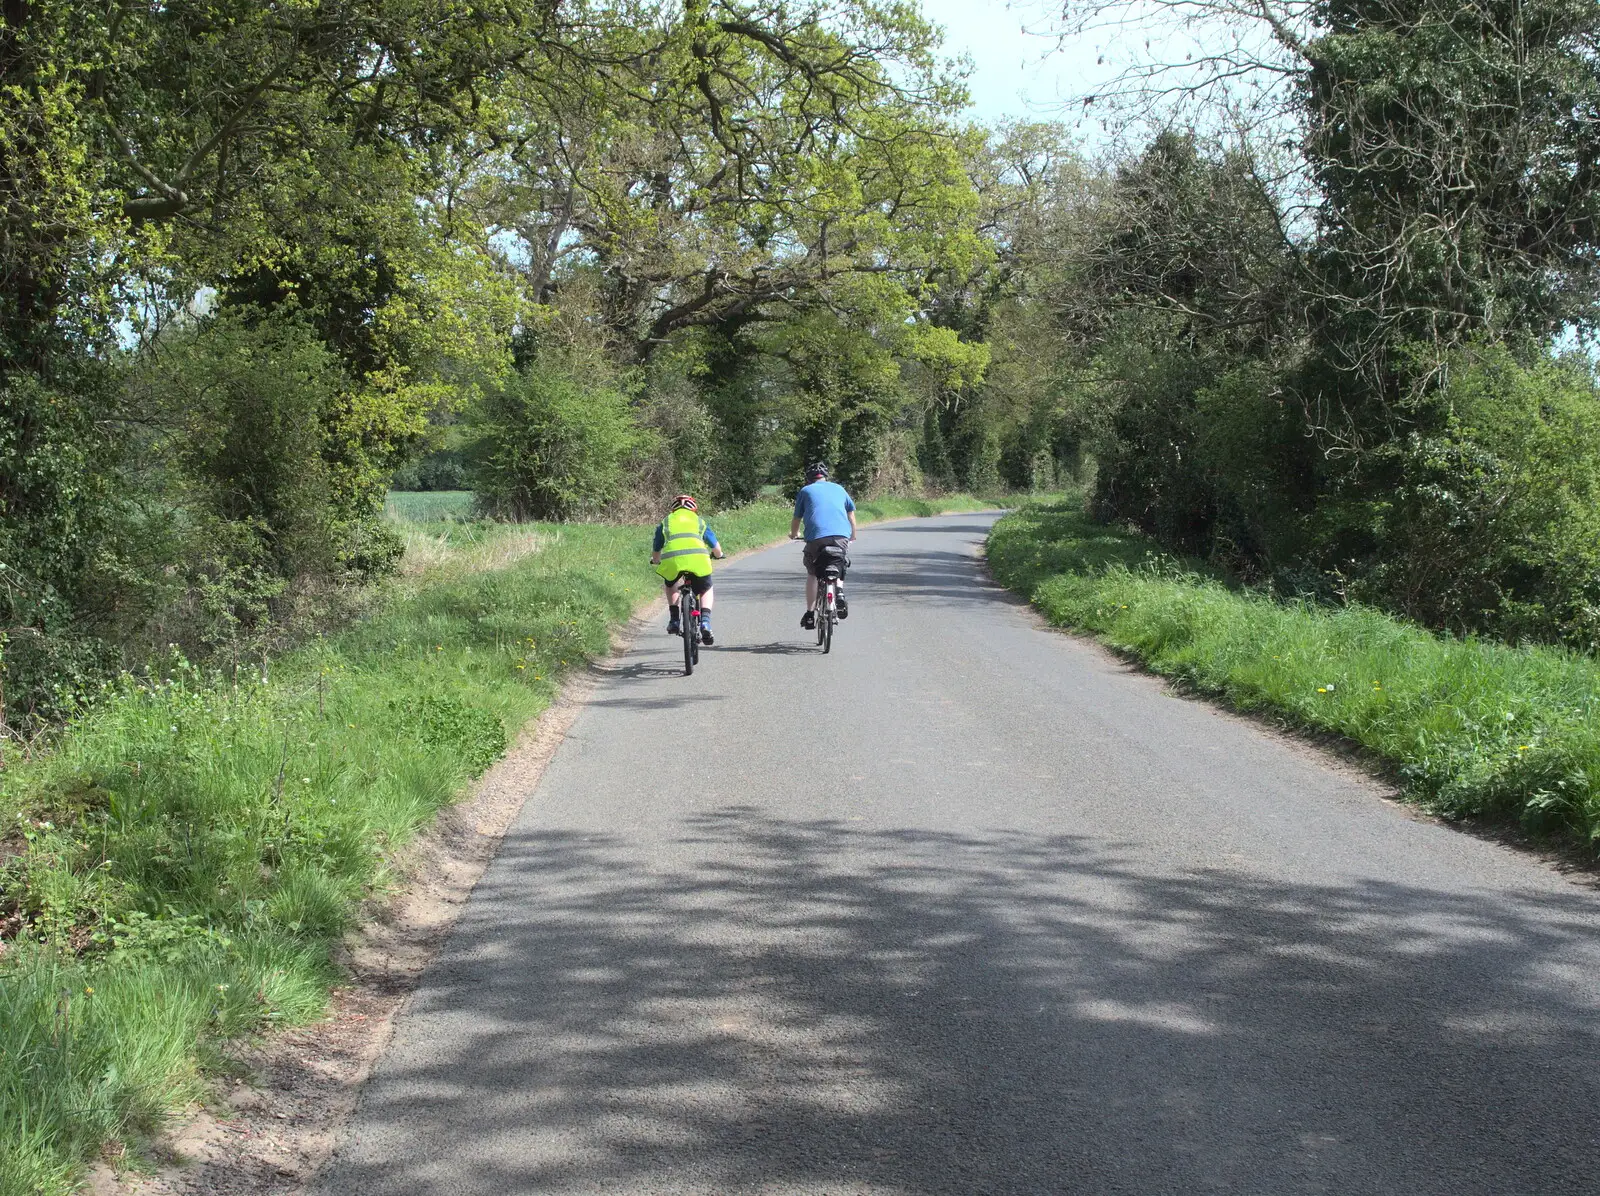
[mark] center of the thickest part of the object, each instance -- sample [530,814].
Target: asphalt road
[969,907]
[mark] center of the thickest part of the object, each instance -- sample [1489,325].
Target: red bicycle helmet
[684,501]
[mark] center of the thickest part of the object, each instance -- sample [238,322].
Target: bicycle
[825,609]
[689,621]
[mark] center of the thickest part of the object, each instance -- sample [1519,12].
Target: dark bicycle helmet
[817,469]
[685,501]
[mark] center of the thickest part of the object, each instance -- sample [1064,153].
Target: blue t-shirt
[825,507]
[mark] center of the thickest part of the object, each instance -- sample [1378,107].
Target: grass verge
[1471,728]
[177,872]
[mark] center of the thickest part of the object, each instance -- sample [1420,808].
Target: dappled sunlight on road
[809,1004]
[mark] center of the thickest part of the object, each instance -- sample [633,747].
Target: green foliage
[851,383]
[1473,729]
[1458,197]
[149,152]
[1150,474]
[434,471]
[551,445]
[736,159]
[192,500]
[242,406]
[1242,423]
[687,447]
[60,533]
[1497,525]
[1208,459]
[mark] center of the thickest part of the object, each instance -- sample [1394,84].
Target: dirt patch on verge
[270,1131]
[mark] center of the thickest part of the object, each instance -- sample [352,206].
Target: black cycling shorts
[696,583]
[829,550]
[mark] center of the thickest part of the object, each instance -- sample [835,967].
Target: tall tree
[734,158]
[1456,149]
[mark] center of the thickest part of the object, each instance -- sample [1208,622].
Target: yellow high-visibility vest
[683,549]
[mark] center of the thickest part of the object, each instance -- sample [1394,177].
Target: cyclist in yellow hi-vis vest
[684,544]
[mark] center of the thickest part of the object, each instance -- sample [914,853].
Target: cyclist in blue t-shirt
[828,515]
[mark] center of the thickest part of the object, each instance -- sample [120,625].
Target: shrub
[238,414]
[550,446]
[1150,472]
[682,432]
[62,548]
[1497,527]
[240,406]
[444,470]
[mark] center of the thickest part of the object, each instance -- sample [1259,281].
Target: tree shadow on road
[786,1007]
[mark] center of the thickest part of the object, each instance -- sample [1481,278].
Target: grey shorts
[819,554]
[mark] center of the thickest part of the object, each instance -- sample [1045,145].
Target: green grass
[183,862]
[1470,728]
[424,505]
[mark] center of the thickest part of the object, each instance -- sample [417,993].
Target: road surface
[970,907]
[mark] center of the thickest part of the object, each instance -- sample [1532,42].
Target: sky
[1017,74]
[1033,76]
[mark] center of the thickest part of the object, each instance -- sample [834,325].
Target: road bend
[966,907]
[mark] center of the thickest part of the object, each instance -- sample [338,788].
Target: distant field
[427,506]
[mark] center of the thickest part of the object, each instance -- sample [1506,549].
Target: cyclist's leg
[702,589]
[808,559]
[672,605]
[839,603]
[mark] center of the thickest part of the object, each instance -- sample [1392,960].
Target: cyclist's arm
[794,528]
[711,543]
[657,545]
[852,513]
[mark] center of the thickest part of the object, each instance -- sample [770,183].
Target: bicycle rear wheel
[690,631]
[825,620]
